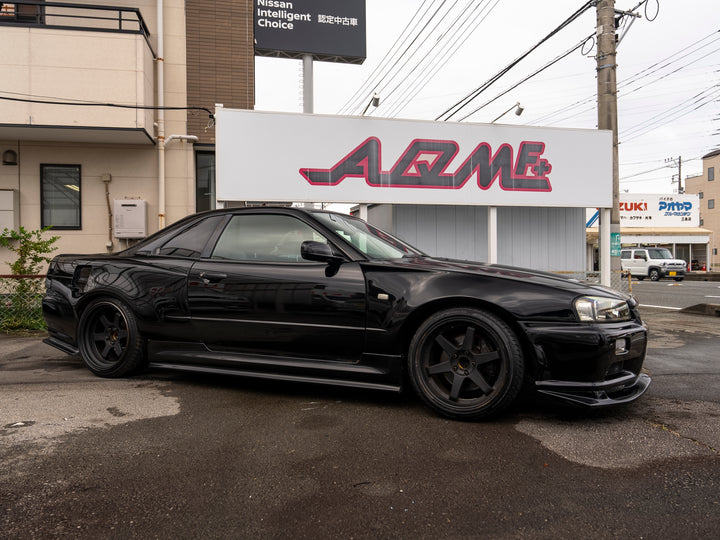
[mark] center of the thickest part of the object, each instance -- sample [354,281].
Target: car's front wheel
[654,275]
[466,363]
[109,341]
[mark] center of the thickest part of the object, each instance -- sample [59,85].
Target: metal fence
[21,302]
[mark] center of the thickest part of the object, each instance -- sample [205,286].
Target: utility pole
[679,166]
[607,119]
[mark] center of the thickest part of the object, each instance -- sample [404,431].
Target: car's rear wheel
[678,279]
[466,363]
[109,341]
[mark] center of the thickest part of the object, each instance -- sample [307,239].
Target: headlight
[601,309]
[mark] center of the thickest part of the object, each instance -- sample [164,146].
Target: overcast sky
[668,75]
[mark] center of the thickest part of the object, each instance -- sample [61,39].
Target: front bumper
[623,389]
[672,272]
[593,365]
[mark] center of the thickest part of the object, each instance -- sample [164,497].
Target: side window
[640,255]
[191,241]
[625,254]
[60,196]
[265,238]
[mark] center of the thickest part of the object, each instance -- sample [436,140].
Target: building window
[701,194]
[60,196]
[711,174]
[711,204]
[702,222]
[204,181]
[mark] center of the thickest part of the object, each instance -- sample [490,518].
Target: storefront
[670,221]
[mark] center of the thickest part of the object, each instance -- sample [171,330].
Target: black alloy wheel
[654,274]
[109,341]
[466,363]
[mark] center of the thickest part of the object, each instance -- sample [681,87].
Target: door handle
[208,277]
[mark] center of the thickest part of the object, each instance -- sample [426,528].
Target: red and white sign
[312,158]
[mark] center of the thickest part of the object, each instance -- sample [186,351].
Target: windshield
[660,253]
[371,241]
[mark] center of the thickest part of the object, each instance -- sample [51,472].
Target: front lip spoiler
[625,388]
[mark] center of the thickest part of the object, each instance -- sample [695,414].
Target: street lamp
[374,101]
[518,111]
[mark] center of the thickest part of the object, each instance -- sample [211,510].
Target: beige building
[81,124]
[708,189]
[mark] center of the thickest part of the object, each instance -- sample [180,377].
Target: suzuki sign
[638,210]
[312,158]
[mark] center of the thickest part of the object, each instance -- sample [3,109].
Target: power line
[527,78]
[458,106]
[388,68]
[361,91]
[636,77]
[471,21]
[114,105]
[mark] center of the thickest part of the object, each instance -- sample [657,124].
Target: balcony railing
[88,17]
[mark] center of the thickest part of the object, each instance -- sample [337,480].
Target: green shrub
[21,297]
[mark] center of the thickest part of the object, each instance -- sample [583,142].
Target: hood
[525,275]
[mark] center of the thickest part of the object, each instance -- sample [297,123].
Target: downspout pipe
[187,138]
[160,66]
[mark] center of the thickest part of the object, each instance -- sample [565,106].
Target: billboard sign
[327,29]
[313,158]
[642,210]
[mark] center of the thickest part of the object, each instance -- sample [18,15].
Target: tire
[678,279]
[654,275]
[466,364]
[109,341]
[639,278]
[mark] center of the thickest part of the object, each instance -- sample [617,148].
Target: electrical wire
[429,66]
[527,78]
[114,105]
[381,89]
[704,98]
[636,77]
[465,101]
[389,68]
[361,92]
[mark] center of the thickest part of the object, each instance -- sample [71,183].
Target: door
[256,295]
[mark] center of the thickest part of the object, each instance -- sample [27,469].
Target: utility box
[130,218]
[9,209]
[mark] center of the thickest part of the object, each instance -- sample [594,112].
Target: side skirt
[274,376]
[381,372]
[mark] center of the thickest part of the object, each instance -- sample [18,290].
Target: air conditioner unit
[130,218]
[9,209]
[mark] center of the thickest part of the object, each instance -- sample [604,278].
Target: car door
[255,294]
[639,263]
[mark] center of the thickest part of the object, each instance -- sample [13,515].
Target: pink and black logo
[424,165]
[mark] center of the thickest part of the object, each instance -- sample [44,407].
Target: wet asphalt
[165,455]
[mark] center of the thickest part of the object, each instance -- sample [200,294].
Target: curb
[703,309]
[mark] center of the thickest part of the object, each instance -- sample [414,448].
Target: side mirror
[318,251]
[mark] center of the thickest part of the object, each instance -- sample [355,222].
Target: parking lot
[166,455]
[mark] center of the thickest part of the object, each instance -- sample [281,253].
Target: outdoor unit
[9,210]
[130,218]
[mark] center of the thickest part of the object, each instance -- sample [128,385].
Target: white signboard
[312,158]
[641,210]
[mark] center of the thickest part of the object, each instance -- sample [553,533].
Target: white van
[652,262]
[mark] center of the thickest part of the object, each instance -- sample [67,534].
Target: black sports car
[311,295]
